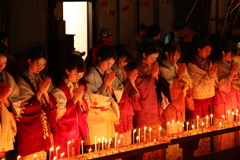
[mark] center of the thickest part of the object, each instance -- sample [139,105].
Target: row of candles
[105,144]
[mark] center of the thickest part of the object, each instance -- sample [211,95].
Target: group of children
[109,97]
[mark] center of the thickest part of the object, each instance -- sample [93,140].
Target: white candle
[50,154]
[109,143]
[150,134]
[202,126]
[187,125]
[68,148]
[211,119]
[197,121]
[172,124]
[193,127]
[237,116]
[228,115]
[18,157]
[57,151]
[223,117]
[178,127]
[115,144]
[82,147]
[233,115]
[168,128]
[119,141]
[89,151]
[34,156]
[159,133]
[207,121]
[133,135]
[144,134]
[137,141]
[139,135]
[95,141]
[62,155]
[103,143]
[54,158]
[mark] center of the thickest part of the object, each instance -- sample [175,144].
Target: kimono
[227,96]
[203,87]
[150,111]
[8,128]
[180,100]
[104,111]
[125,106]
[37,118]
[72,125]
[178,91]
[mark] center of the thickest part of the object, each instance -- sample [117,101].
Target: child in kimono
[72,126]
[9,101]
[148,118]
[204,77]
[105,91]
[180,91]
[39,100]
[227,96]
[127,78]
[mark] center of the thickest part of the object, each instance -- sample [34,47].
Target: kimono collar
[171,66]
[202,62]
[71,85]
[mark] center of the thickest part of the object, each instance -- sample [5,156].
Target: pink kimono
[72,125]
[150,113]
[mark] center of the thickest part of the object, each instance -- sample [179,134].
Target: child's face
[227,56]
[122,62]
[74,75]
[37,65]
[204,52]
[150,59]
[173,58]
[3,62]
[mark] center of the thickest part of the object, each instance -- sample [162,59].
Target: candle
[168,128]
[34,156]
[211,121]
[220,124]
[197,121]
[51,149]
[106,144]
[18,157]
[119,141]
[202,126]
[68,148]
[172,124]
[223,117]
[99,140]
[187,126]
[193,127]
[54,158]
[95,142]
[206,121]
[137,141]
[228,115]
[102,143]
[115,144]
[89,151]
[62,155]
[159,133]
[139,135]
[237,116]
[144,134]
[109,143]
[82,147]
[233,118]
[57,151]
[133,135]
[178,127]
[150,134]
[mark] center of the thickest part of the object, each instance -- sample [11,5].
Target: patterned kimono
[203,95]
[227,96]
[72,125]
[37,117]
[125,106]
[104,110]
[8,128]
[203,87]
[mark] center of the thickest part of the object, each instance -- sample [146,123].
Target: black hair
[171,48]
[122,51]
[106,52]
[3,50]
[149,49]
[153,31]
[75,62]
[36,53]
[230,47]
[203,43]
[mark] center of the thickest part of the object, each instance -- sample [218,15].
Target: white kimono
[104,111]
